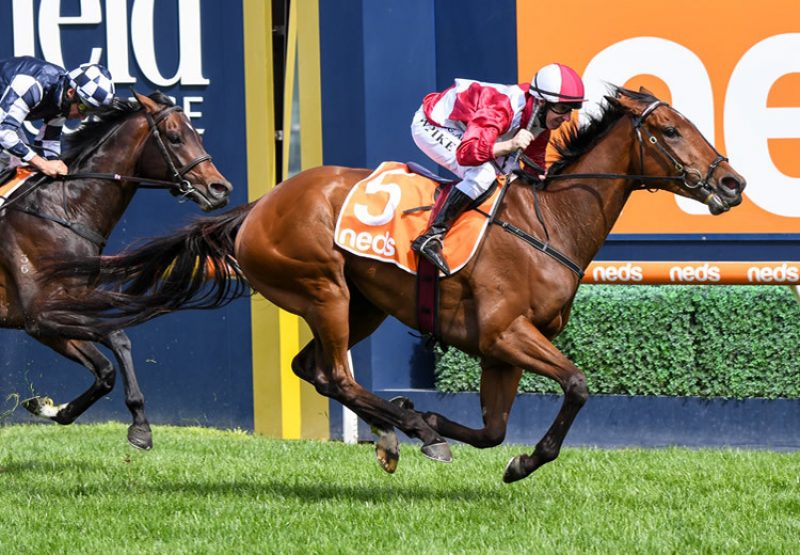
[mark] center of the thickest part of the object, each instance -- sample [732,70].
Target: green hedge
[710,341]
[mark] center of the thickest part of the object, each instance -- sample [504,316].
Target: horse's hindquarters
[285,245]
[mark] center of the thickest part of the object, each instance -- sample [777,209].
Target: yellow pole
[284,406]
[314,407]
[259,100]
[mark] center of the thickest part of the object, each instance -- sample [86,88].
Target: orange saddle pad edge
[374,221]
[14,183]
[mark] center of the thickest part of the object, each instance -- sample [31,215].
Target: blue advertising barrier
[194,368]
[378,60]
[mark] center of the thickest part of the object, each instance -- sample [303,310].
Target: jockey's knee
[477,180]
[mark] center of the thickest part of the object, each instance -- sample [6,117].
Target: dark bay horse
[129,145]
[505,306]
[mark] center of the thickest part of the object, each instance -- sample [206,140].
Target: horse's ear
[145,101]
[644,90]
[613,101]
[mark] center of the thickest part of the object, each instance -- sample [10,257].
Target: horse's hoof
[140,437]
[387,450]
[402,402]
[438,452]
[43,407]
[515,470]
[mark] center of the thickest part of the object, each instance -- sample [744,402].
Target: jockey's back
[38,83]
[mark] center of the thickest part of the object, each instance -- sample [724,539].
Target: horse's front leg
[522,345]
[499,383]
[79,347]
[139,433]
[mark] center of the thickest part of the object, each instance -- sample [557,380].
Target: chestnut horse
[149,143]
[505,306]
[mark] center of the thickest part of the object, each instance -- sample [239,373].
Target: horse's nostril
[219,189]
[730,184]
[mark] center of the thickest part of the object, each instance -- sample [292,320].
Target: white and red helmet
[557,83]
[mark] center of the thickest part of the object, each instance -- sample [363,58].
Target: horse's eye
[174,138]
[671,132]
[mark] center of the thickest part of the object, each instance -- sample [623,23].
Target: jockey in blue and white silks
[32,89]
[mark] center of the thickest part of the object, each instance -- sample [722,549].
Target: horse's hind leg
[81,349]
[329,321]
[499,383]
[364,319]
[85,353]
[309,365]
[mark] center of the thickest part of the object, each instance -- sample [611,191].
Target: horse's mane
[87,137]
[578,140]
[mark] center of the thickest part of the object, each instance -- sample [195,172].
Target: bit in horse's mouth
[717,205]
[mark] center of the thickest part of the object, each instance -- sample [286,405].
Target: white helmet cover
[93,84]
[557,83]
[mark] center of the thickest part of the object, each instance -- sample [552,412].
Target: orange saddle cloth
[378,219]
[14,183]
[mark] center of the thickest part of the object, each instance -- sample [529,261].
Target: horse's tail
[192,268]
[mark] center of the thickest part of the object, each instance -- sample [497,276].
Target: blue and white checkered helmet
[93,84]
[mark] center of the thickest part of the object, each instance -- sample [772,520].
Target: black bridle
[182,186]
[690,177]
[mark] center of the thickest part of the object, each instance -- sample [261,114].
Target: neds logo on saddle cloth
[378,219]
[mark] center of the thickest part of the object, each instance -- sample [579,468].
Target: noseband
[689,177]
[184,186]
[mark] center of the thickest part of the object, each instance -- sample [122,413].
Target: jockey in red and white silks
[458,128]
[474,128]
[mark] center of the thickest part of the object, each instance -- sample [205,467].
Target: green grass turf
[82,489]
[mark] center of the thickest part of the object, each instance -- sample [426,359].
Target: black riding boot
[430,243]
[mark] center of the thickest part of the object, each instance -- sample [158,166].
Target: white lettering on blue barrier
[139,33]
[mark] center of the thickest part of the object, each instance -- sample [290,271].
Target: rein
[179,182]
[686,172]
[685,177]
[538,244]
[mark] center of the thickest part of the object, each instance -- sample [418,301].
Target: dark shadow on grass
[275,487]
[390,493]
[49,467]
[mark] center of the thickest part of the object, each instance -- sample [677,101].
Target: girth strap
[76,227]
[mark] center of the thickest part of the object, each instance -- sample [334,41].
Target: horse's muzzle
[726,193]
[215,195]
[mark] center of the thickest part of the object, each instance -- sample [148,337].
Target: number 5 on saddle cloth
[385,212]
